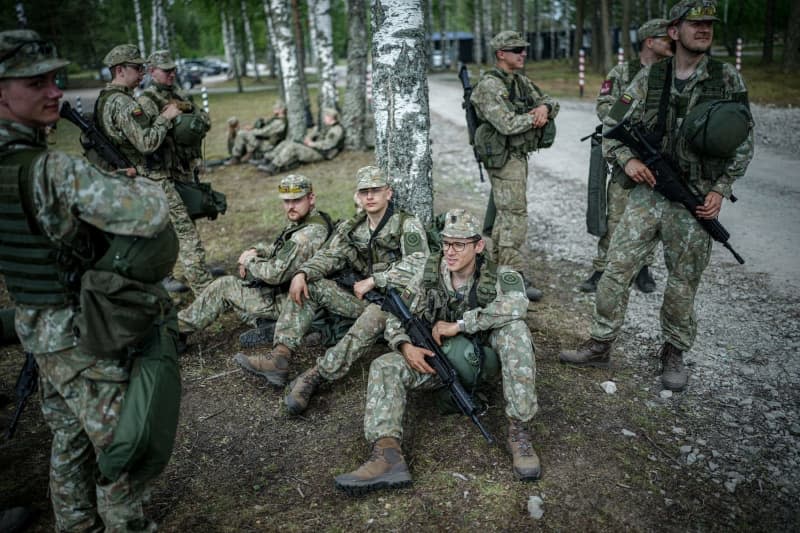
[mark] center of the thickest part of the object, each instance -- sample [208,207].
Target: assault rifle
[346,279]
[25,386]
[420,333]
[469,109]
[94,139]
[668,181]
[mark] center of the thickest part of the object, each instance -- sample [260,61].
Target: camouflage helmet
[161,59]
[507,39]
[294,186]
[24,54]
[717,128]
[459,224]
[652,28]
[123,53]
[370,177]
[693,10]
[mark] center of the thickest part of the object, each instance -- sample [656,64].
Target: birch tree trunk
[271,59]
[354,109]
[251,45]
[322,38]
[154,25]
[300,43]
[226,39]
[137,10]
[791,49]
[578,43]
[488,30]
[477,30]
[625,30]
[400,92]
[233,45]
[290,76]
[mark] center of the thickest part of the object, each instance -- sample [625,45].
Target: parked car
[187,79]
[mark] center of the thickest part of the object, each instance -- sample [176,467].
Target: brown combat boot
[525,461]
[673,374]
[385,468]
[274,366]
[301,389]
[591,353]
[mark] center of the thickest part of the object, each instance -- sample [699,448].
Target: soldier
[261,138]
[691,77]
[54,207]
[259,292]
[514,115]
[177,159]
[385,247]
[463,293]
[319,144]
[655,45]
[233,131]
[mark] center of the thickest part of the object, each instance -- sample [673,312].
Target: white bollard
[620,55]
[739,54]
[581,62]
[78,105]
[204,95]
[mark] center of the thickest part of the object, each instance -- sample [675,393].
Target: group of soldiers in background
[475,302]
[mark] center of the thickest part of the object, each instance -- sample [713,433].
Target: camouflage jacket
[399,251]
[274,131]
[510,304]
[67,192]
[616,81]
[277,262]
[136,132]
[328,141]
[702,174]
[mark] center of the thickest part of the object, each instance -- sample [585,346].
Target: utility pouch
[201,200]
[596,208]
[491,146]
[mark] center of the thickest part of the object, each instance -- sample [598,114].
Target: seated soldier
[259,292]
[261,138]
[382,247]
[319,144]
[462,293]
[233,130]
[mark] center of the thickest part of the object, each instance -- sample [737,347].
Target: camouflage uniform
[81,394]
[649,217]
[262,140]
[510,182]
[325,143]
[178,163]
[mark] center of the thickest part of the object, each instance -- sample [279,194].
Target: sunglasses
[515,50]
[31,48]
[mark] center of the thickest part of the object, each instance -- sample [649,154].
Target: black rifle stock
[668,181]
[95,139]
[469,109]
[25,386]
[420,333]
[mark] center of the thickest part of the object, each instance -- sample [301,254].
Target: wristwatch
[461,326]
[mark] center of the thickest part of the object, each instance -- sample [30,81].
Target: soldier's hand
[539,115]
[360,288]
[415,357]
[444,329]
[298,289]
[243,259]
[129,172]
[711,206]
[639,172]
[170,111]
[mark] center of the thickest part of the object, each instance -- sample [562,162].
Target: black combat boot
[591,353]
[644,281]
[263,333]
[533,294]
[301,389]
[274,366]
[674,375]
[171,284]
[385,468]
[590,284]
[525,461]
[268,168]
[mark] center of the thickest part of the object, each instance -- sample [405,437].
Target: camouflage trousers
[509,188]
[81,402]
[247,142]
[390,378]
[649,218]
[616,200]
[192,255]
[229,293]
[289,153]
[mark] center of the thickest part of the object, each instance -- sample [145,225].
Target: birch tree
[271,59]
[605,34]
[137,11]
[319,12]
[400,95]
[354,109]
[290,72]
[791,49]
[477,30]
[488,30]
[248,35]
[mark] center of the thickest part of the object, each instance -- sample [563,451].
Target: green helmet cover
[716,128]
[139,258]
[189,129]
[463,355]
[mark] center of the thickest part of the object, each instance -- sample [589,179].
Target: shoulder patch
[605,89]
[511,282]
[137,112]
[626,98]
[413,242]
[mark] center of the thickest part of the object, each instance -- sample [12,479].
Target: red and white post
[581,63]
[620,55]
[739,54]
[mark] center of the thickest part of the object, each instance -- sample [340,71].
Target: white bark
[354,108]
[137,10]
[226,39]
[488,30]
[287,56]
[319,12]
[248,35]
[271,61]
[477,49]
[400,96]
[154,25]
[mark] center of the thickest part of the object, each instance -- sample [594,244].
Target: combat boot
[274,366]
[673,374]
[263,333]
[385,468]
[301,389]
[525,461]
[246,157]
[644,281]
[171,284]
[533,294]
[591,353]
[590,284]
[232,161]
[268,168]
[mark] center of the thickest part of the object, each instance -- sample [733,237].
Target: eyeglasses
[371,190]
[515,50]
[458,246]
[700,11]
[134,66]
[32,48]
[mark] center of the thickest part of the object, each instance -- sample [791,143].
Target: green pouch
[596,208]
[201,200]
[145,433]
[548,134]
[464,354]
[491,146]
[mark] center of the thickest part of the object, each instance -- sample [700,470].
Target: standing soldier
[467,298]
[261,138]
[665,98]
[655,45]
[177,159]
[516,119]
[57,210]
[383,247]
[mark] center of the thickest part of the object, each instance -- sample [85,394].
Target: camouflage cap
[331,112]
[294,186]
[123,53]
[369,177]
[652,28]
[233,121]
[507,39]
[24,54]
[459,224]
[693,10]
[161,59]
